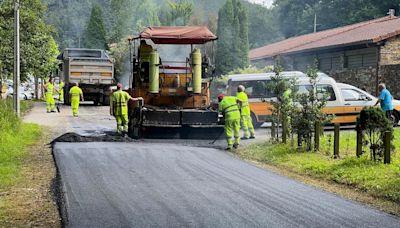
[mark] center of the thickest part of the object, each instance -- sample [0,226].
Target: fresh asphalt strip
[139,184]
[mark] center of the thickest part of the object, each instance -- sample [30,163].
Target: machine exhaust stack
[196,64]
[154,76]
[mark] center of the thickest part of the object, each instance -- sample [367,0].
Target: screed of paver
[166,185]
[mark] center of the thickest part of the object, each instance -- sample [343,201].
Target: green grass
[373,177]
[15,137]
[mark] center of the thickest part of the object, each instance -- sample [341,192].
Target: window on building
[330,63]
[360,60]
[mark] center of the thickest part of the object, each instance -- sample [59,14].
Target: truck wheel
[106,100]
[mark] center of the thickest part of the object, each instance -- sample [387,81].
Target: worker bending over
[50,90]
[75,95]
[245,113]
[120,101]
[228,106]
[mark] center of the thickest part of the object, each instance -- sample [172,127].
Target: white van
[344,101]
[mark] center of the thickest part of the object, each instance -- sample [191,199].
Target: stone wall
[390,52]
[363,78]
[390,75]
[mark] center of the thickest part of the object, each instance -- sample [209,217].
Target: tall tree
[263,25]
[233,43]
[38,49]
[179,13]
[95,34]
[119,22]
[296,17]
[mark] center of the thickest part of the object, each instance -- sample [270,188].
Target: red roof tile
[365,32]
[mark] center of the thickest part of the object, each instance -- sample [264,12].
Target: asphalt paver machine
[172,70]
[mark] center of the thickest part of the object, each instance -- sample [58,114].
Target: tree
[296,17]
[95,34]
[373,123]
[179,13]
[309,112]
[119,14]
[263,25]
[282,107]
[38,49]
[233,44]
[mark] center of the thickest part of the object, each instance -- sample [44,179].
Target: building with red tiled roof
[361,54]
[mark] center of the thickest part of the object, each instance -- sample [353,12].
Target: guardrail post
[388,146]
[317,135]
[336,141]
[284,131]
[359,143]
[273,130]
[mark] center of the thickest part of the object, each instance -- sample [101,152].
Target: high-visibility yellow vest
[120,102]
[245,108]
[75,92]
[61,87]
[49,88]
[229,108]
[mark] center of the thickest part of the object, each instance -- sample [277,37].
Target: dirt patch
[30,202]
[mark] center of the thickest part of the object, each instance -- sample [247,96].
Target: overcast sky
[263,2]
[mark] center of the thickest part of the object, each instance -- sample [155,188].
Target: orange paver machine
[172,70]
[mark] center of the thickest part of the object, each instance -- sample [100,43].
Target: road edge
[344,191]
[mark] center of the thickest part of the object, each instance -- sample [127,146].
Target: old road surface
[175,184]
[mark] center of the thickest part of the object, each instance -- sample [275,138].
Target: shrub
[373,123]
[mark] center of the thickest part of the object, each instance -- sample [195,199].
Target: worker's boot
[235,146]
[252,137]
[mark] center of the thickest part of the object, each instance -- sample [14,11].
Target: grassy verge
[26,171]
[375,179]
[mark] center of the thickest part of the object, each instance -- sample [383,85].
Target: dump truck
[93,69]
[172,72]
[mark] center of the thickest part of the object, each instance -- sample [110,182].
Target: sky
[263,2]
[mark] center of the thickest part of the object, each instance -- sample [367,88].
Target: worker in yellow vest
[228,106]
[50,90]
[75,95]
[245,113]
[4,89]
[120,101]
[61,91]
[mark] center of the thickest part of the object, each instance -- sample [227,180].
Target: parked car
[24,94]
[344,101]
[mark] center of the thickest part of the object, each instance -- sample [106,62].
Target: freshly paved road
[170,185]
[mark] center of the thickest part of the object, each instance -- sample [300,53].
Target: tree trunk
[37,88]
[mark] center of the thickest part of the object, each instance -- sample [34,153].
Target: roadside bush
[15,136]
[373,123]
[309,112]
[282,107]
[8,120]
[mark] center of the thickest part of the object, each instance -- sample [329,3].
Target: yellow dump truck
[93,69]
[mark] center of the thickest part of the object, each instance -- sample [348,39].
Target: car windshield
[351,94]
[254,88]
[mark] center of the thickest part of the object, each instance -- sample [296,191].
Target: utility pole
[16,59]
[315,23]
